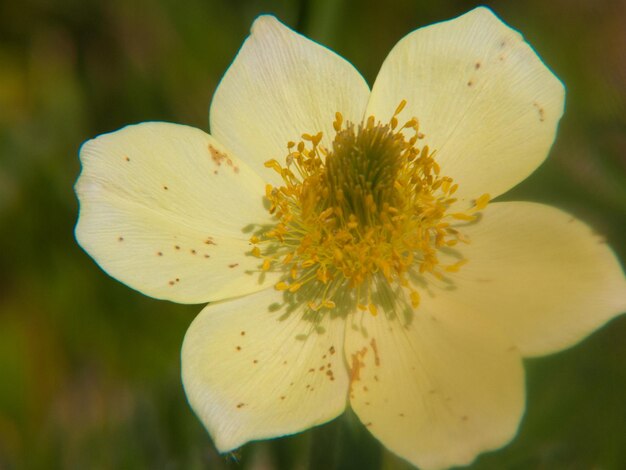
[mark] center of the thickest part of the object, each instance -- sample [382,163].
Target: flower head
[347,241]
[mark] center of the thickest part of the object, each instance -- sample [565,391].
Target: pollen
[372,209]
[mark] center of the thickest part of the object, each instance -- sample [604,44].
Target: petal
[253,368]
[544,276]
[437,389]
[485,101]
[280,86]
[163,209]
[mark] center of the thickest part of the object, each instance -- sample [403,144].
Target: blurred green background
[89,369]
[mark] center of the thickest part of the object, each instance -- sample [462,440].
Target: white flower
[362,266]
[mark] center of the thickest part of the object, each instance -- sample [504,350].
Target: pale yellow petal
[541,274]
[165,210]
[437,386]
[280,86]
[255,368]
[485,101]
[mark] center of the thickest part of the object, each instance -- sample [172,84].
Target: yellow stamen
[482,202]
[373,309]
[415,299]
[374,207]
[463,216]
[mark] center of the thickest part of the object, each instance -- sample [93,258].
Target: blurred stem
[318,19]
[325,446]
[303,16]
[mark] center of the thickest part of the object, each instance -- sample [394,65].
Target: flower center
[371,209]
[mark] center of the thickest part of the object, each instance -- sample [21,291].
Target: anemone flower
[347,242]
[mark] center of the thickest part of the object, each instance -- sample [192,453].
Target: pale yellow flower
[357,261]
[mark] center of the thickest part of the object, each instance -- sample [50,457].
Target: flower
[347,242]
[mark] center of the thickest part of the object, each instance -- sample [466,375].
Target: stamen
[374,207]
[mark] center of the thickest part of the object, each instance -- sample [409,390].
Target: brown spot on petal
[375,350]
[541,111]
[234,265]
[240,405]
[357,364]
[216,155]
[219,157]
[477,65]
